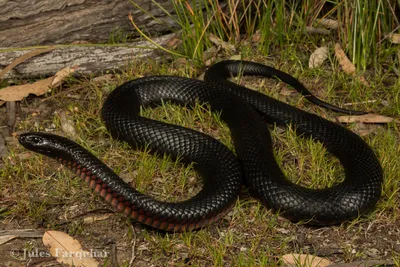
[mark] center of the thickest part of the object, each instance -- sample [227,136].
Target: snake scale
[247,114]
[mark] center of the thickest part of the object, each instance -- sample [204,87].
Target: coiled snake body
[245,111]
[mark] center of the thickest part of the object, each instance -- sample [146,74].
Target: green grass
[363,26]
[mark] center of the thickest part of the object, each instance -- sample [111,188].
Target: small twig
[359,103]
[393,12]
[85,215]
[133,246]
[11,113]
[3,148]
[22,233]
[114,260]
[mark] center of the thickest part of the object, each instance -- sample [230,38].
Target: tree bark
[90,59]
[46,22]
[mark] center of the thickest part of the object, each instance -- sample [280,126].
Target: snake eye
[35,140]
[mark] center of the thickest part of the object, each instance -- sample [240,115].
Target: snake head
[47,144]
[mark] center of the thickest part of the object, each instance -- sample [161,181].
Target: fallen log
[90,59]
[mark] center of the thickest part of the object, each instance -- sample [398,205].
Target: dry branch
[89,58]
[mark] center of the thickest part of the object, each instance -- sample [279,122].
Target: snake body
[246,112]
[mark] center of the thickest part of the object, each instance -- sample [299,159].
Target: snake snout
[36,142]
[31,140]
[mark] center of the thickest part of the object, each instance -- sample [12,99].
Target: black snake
[246,112]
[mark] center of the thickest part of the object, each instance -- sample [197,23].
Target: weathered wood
[47,22]
[91,59]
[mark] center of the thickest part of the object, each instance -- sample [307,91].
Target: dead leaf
[18,92]
[365,132]
[173,43]
[367,118]
[103,79]
[394,38]
[329,23]
[68,250]
[318,57]
[226,46]
[346,64]
[67,125]
[24,57]
[256,37]
[286,91]
[61,75]
[305,260]
[364,129]
[363,80]
[344,61]
[180,63]
[313,30]
[210,55]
